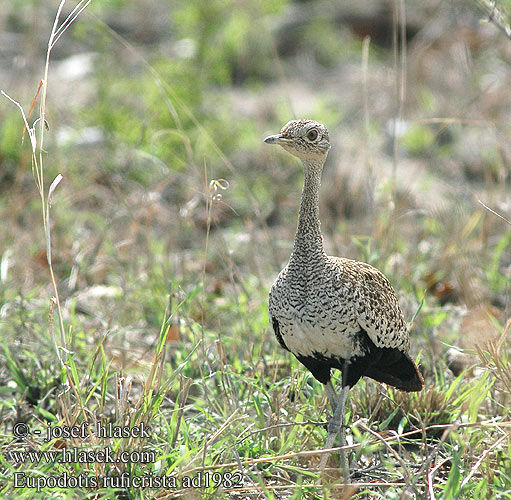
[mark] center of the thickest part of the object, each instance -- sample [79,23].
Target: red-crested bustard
[333,312]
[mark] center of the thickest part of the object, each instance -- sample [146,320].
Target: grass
[140,301]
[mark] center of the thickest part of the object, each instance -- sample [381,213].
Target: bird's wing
[376,306]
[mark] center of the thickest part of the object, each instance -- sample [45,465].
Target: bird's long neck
[308,244]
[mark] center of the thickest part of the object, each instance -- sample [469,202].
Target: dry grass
[142,298]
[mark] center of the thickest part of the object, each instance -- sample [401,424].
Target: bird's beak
[275,139]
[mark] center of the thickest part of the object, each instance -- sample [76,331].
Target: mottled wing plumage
[376,304]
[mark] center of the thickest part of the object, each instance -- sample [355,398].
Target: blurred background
[171,205]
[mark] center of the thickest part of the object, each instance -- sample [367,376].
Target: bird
[334,312]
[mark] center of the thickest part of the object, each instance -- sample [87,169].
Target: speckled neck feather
[308,244]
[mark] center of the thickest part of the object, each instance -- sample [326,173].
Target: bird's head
[306,139]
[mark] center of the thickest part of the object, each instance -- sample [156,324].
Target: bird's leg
[332,395]
[336,424]
[344,462]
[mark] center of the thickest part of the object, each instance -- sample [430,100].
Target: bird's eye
[312,134]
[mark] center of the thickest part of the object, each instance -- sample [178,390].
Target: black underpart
[383,364]
[276,329]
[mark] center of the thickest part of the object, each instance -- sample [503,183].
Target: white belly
[304,339]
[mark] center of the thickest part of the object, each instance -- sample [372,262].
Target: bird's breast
[313,320]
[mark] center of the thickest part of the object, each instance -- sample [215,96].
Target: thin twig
[31,131]
[69,20]
[495,16]
[392,451]
[431,476]
[494,213]
[277,426]
[482,457]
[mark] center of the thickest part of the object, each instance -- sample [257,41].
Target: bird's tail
[400,372]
